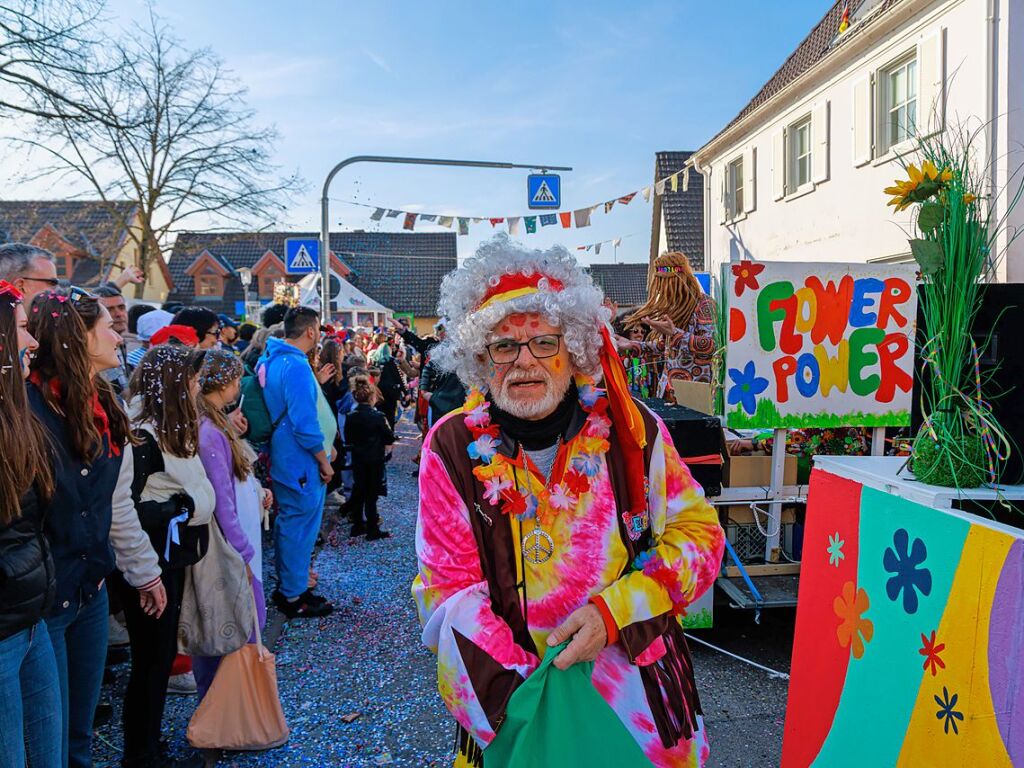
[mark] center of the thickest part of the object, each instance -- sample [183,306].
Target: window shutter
[863,121]
[749,180]
[931,89]
[723,201]
[779,165]
[820,142]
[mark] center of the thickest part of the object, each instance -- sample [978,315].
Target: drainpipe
[706,173]
[991,99]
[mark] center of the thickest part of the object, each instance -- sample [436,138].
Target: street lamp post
[245,277]
[325,248]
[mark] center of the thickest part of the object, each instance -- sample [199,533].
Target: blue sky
[599,86]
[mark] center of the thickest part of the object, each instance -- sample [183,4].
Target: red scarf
[99,414]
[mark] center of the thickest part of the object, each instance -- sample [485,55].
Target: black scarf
[541,433]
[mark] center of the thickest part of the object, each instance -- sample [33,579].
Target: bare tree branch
[177,139]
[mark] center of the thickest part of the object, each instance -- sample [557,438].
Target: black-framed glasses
[53,282]
[505,351]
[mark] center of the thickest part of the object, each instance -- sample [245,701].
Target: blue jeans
[295,531]
[79,636]
[31,715]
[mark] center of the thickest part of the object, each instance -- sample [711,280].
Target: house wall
[844,218]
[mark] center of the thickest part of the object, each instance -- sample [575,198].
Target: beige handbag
[242,708]
[217,607]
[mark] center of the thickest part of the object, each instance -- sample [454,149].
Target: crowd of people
[155,446]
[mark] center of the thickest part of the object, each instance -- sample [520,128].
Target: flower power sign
[819,345]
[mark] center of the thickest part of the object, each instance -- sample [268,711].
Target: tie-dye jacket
[470,564]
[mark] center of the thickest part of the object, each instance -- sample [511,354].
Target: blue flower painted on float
[947,712]
[902,560]
[747,385]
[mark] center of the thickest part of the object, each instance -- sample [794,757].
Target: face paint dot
[558,364]
[535,323]
[518,320]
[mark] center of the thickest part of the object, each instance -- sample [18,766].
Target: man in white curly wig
[556,520]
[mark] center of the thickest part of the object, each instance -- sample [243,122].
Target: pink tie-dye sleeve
[688,544]
[479,664]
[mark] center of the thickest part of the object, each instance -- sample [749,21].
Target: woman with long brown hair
[682,320]
[31,715]
[174,501]
[90,519]
[241,500]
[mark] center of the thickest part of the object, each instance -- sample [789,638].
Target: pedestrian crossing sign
[544,191]
[301,255]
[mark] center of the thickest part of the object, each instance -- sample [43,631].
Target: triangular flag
[428,217]
[513,226]
[597,248]
[547,219]
[531,224]
[566,218]
[608,206]
[674,181]
[463,226]
[583,217]
[496,222]
[393,214]
[646,192]
[686,178]
[377,215]
[445,221]
[659,187]
[478,220]
[626,199]
[582,247]
[617,242]
[410,221]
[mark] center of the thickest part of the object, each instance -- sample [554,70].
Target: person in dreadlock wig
[682,321]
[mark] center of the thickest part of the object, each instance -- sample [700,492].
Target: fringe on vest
[671,689]
[467,752]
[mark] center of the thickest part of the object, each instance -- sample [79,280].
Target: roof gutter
[859,42]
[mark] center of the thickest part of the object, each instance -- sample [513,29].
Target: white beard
[533,409]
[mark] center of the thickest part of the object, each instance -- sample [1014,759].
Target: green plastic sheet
[557,718]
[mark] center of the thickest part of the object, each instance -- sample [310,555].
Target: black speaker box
[1000,322]
[694,435]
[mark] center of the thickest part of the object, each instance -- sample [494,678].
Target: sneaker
[117,635]
[357,530]
[377,535]
[303,608]
[182,685]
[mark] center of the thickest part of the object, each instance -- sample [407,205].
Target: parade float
[910,614]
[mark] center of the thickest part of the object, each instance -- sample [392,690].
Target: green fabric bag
[559,718]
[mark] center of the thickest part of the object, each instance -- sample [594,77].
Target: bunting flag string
[615,242]
[580,217]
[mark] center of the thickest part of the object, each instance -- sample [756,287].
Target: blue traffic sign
[544,191]
[301,255]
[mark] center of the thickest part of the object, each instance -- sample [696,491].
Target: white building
[798,174]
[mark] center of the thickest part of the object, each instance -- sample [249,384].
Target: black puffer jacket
[27,582]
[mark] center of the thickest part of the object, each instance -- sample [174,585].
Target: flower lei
[494,470]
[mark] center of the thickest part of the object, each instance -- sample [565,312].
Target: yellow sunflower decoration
[921,185]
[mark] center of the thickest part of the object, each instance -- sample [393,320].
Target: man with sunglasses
[28,268]
[556,517]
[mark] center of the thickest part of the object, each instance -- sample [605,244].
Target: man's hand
[396,324]
[268,498]
[238,421]
[662,325]
[129,275]
[153,600]
[324,374]
[326,470]
[586,628]
[622,343]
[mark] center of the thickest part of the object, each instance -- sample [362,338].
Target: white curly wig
[577,309]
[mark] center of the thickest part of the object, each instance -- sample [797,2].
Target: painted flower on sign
[747,385]
[930,649]
[854,630]
[902,560]
[835,550]
[947,712]
[746,273]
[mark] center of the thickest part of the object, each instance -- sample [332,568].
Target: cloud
[271,75]
[377,59]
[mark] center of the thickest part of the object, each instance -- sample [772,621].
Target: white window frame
[792,159]
[883,90]
[734,189]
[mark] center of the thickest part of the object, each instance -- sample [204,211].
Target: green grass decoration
[767,415]
[960,445]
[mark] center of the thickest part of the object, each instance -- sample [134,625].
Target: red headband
[513,286]
[7,289]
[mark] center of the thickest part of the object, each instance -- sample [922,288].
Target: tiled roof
[401,270]
[625,284]
[92,227]
[822,41]
[683,211]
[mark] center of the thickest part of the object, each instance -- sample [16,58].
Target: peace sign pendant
[538,546]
